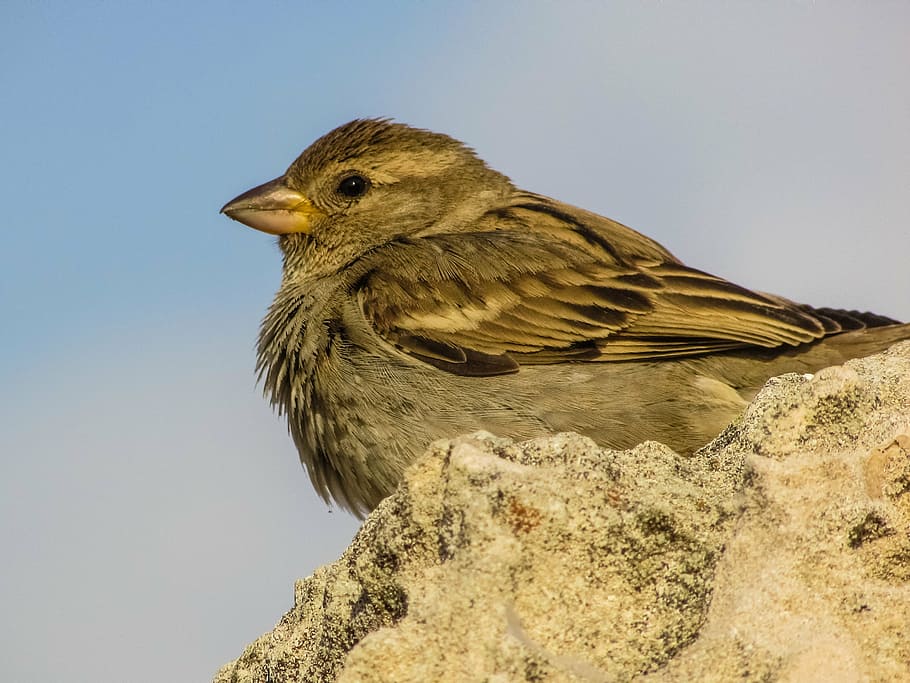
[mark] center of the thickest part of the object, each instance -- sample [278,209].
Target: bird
[423,295]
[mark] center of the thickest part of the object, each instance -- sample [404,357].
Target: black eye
[353,186]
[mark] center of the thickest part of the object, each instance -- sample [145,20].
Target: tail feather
[849,320]
[747,371]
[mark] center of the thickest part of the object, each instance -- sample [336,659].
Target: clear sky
[153,513]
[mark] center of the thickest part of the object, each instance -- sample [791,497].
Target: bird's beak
[273,207]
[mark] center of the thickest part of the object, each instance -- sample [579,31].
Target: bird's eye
[353,186]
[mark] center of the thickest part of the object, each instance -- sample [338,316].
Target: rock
[781,551]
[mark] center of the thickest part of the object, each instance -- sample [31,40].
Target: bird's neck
[308,260]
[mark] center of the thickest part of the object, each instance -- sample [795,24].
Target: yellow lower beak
[273,207]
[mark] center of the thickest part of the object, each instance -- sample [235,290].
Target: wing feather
[537,281]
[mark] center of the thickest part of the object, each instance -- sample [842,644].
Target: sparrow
[423,296]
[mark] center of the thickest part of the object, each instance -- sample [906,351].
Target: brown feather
[584,288]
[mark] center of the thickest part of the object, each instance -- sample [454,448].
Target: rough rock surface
[780,552]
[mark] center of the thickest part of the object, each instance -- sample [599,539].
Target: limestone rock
[781,551]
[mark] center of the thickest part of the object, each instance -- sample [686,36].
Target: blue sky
[153,513]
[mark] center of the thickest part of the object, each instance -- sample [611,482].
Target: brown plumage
[425,296]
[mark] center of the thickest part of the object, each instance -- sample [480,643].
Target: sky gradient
[153,512]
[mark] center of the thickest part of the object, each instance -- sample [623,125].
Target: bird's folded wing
[550,286]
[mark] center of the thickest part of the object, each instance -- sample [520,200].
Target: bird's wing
[542,282]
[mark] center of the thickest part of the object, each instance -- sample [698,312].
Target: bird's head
[367,183]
